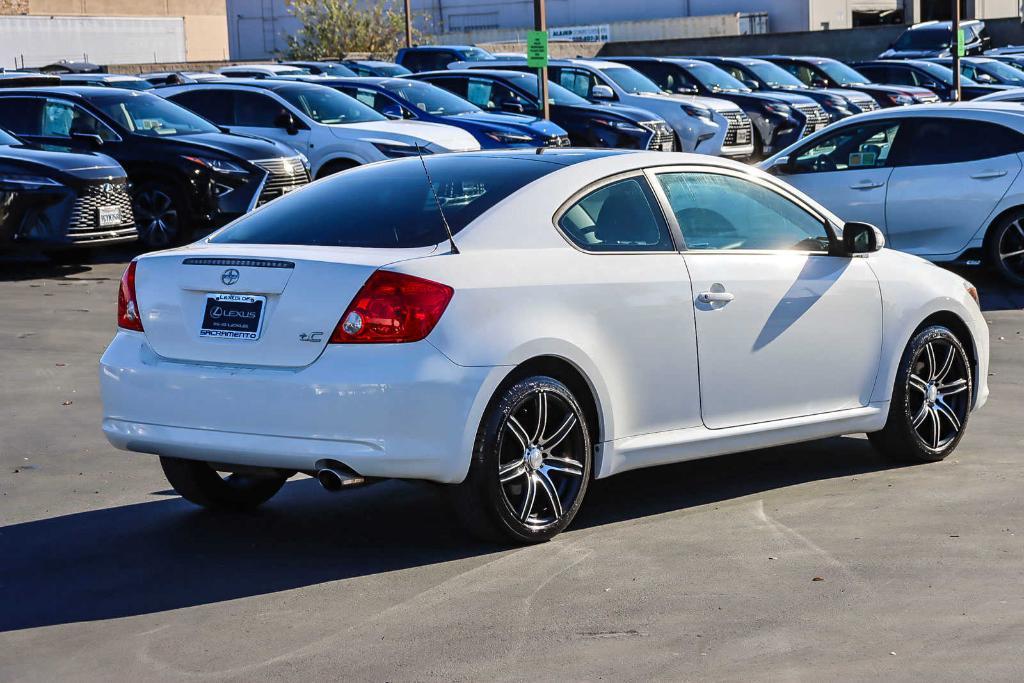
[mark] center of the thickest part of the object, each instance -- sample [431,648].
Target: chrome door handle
[866,185]
[715,297]
[984,175]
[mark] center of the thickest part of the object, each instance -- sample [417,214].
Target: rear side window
[388,205]
[257,110]
[620,216]
[212,105]
[928,141]
[22,115]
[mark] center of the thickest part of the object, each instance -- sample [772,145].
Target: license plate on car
[233,316]
[742,137]
[109,215]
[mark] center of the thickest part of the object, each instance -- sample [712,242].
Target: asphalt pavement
[806,563]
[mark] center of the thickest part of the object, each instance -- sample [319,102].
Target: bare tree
[334,28]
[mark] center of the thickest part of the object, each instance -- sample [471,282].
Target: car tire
[1005,248]
[531,464]
[759,153]
[197,482]
[159,215]
[332,167]
[931,400]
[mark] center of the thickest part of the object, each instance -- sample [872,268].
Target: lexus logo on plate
[107,189]
[229,276]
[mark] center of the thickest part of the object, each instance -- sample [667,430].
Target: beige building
[205,21]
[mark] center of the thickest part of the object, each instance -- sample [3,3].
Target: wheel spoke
[1020,229]
[942,409]
[947,365]
[517,431]
[529,496]
[558,437]
[549,488]
[954,387]
[564,465]
[919,418]
[1011,254]
[929,352]
[512,470]
[916,382]
[542,417]
[936,427]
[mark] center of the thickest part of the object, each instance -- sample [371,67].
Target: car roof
[269,67]
[262,83]
[493,73]
[84,92]
[1005,112]
[99,77]
[947,25]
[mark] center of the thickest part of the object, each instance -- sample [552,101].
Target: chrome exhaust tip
[334,476]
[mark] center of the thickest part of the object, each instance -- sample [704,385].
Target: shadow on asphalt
[21,267]
[167,554]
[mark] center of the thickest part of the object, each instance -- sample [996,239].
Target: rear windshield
[387,205]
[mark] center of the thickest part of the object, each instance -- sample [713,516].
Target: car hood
[892,89]
[449,137]
[53,162]
[712,103]
[245,147]
[771,97]
[912,54]
[529,124]
[634,114]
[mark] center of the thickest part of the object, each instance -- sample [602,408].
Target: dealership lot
[697,569]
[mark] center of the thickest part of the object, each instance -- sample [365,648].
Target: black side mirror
[687,90]
[819,83]
[393,111]
[513,107]
[287,121]
[86,139]
[862,238]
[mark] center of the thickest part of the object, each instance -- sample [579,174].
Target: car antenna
[437,200]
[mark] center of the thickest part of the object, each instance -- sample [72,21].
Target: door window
[21,115]
[257,110]
[801,71]
[723,212]
[848,149]
[492,95]
[576,80]
[620,216]
[928,141]
[212,105]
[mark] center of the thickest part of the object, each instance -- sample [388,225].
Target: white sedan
[941,181]
[591,312]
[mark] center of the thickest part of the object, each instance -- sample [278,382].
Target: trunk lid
[298,295]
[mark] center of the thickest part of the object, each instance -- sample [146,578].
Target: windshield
[713,78]
[328,106]
[145,114]
[843,74]
[390,69]
[336,70]
[430,98]
[8,139]
[924,39]
[942,74]
[475,54]
[388,205]
[632,81]
[1004,73]
[294,71]
[131,84]
[775,76]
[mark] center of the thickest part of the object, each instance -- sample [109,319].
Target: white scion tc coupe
[593,312]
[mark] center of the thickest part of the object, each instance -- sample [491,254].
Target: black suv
[588,124]
[55,201]
[433,57]
[186,174]
[935,39]
[823,72]
[927,74]
[779,118]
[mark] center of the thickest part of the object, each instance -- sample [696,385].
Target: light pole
[540,23]
[408,24]
[956,50]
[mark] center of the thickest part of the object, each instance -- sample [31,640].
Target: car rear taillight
[128,316]
[392,308]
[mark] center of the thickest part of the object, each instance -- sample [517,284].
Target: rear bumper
[400,410]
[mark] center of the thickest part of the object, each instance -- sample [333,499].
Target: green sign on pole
[960,50]
[537,49]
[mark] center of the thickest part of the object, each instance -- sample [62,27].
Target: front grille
[740,131]
[285,175]
[557,141]
[866,104]
[663,138]
[815,115]
[85,212]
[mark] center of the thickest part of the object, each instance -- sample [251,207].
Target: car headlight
[27,182]
[220,165]
[901,100]
[398,150]
[699,112]
[779,108]
[305,160]
[508,138]
[620,125]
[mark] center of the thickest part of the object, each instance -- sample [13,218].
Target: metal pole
[408,24]
[540,23]
[955,24]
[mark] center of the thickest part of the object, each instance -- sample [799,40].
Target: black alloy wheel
[1006,248]
[531,465]
[931,401]
[158,216]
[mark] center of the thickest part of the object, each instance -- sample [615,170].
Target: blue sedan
[399,98]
